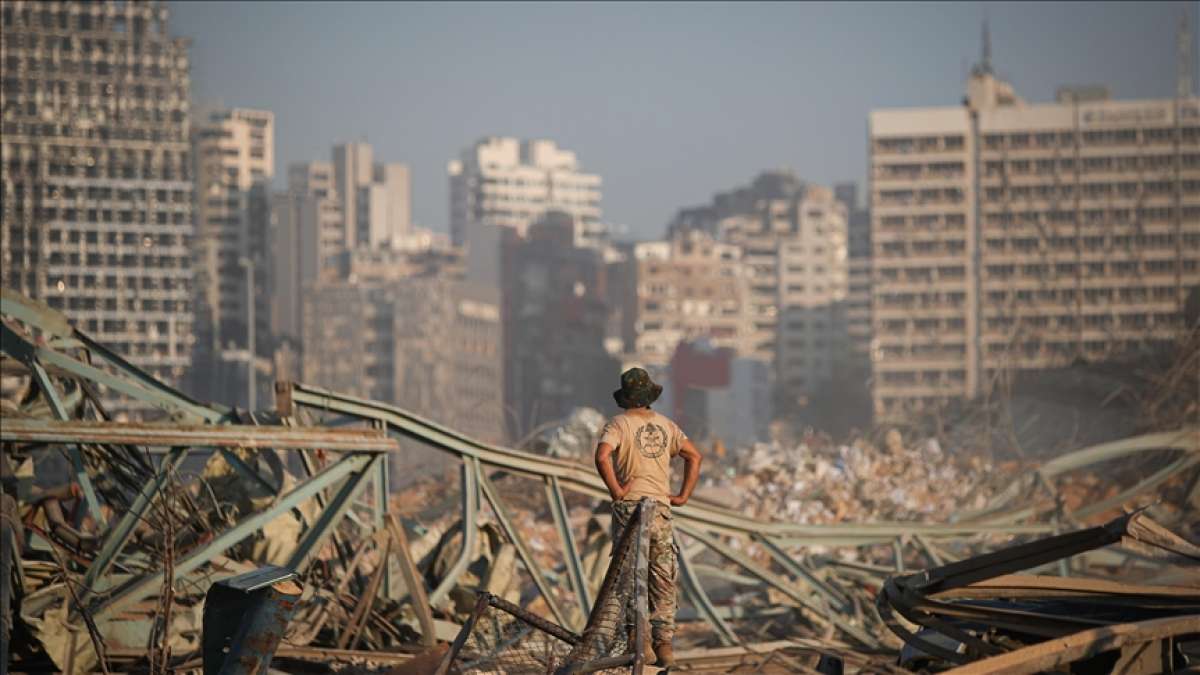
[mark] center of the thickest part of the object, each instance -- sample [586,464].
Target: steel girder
[50,349]
[350,469]
[153,435]
[704,522]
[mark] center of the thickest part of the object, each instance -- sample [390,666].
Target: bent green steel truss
[57,355]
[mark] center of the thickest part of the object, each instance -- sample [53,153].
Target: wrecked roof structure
[117,530]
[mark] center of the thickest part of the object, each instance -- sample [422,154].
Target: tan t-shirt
[644,447]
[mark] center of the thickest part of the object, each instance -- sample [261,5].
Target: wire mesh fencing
[500,637]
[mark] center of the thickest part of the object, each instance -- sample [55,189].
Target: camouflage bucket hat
[637,389]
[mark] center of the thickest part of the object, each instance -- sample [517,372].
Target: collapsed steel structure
[69,372]
[980,612]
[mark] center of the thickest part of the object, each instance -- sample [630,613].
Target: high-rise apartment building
[793,241]
[555,319]
[1011,237]
[233,152]
[97,179]
[312,186]
[309,235]
[858,294]
[331,208]
[431,345]
[686,288]
[512,183]
[850,402]
[376,198]
[737,217]
[812,280]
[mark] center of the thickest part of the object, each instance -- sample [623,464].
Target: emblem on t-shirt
[651,440]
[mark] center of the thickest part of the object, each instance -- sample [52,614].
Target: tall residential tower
[97,185]
[233,152]
[1011,237]
[376,198]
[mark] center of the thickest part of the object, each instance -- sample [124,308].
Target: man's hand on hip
[691,472]
[620,493]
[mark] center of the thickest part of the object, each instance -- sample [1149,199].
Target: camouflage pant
[664,566]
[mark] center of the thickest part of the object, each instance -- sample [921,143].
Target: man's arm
[605,466]
[691,472]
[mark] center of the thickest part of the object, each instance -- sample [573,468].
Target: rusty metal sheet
[196,435]
[245,618]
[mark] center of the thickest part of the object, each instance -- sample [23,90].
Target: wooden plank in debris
[413,581]
[329,655]
[1052,654]
[349,637]
[1039,586]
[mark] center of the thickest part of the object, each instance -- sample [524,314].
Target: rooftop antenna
[986,65]
[1183,88]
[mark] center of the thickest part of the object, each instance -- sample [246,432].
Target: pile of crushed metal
[115,533]
[980,615]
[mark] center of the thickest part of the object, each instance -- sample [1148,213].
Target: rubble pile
[570,438]
[822,483]
[818,481]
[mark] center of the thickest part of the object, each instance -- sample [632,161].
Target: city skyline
[650,95]
[914,285]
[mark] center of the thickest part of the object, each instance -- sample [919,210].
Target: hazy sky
[669,102]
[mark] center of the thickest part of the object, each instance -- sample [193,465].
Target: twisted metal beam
[700,520]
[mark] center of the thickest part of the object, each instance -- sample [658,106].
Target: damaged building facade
[97,176]
[1010,236]
[408,328]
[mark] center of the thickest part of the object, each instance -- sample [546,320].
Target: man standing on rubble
[642,442]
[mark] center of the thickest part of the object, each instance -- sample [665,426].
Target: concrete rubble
[825,483]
